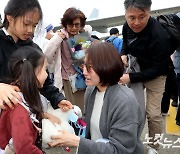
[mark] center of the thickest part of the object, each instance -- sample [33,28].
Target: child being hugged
[27,69]
[20,20]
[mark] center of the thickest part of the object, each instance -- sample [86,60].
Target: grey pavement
[59,150]
[166,137]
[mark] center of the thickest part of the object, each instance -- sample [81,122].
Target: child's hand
[65,105]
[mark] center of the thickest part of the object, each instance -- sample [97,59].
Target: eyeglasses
[77,25]
[89,67]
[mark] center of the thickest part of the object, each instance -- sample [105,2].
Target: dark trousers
[171,91]
[178,84]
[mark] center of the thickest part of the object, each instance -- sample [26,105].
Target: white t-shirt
[94,122]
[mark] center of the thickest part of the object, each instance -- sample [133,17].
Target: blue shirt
[117,42]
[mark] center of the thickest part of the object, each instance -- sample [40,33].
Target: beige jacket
[53,52]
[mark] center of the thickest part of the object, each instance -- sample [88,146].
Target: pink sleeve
[23,132]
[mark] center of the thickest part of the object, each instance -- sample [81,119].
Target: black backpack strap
[111,41]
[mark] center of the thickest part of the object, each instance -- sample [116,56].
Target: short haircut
[105,61]
[114,31]
[72,14]
[140,4]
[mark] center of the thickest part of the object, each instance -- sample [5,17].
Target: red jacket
[17,124]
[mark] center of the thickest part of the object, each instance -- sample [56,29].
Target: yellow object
[171,127]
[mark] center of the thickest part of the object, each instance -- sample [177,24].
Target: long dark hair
[18,8]
[21,66]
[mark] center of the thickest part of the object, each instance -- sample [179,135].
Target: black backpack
[171,23]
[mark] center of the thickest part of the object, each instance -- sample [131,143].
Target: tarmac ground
[168,146]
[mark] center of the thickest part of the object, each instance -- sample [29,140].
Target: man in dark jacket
[147,40]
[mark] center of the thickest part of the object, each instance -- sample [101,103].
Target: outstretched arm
[53,94]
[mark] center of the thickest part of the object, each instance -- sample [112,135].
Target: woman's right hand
[61,34]
[8,93]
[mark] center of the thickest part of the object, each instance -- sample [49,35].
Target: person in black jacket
[21,18]
[146,39]
[170,93]
[176,63]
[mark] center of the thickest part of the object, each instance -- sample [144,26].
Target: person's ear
[125,16]
[9,18]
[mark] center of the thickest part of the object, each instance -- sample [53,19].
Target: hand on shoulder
[8,94]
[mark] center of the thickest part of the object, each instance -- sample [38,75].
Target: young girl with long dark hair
[22,125]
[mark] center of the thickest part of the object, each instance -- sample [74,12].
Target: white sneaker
[152,151]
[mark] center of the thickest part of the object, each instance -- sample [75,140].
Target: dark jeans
[178,83]
[171,91]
